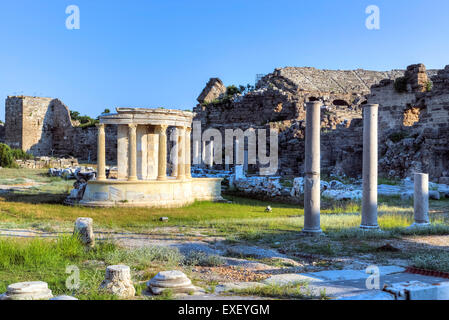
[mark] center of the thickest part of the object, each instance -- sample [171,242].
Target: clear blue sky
[146,53]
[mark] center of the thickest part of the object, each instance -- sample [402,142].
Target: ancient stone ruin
[413,120]
[413,117]
[43,127]
[142,162]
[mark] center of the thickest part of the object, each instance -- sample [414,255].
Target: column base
[312,232]
[132,178]
[419,225]
[163,178]
[366,227]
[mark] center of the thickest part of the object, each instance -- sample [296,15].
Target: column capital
[188,129]
[161,129]
[132,126]
[100,125]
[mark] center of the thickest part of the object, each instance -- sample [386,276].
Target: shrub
[429,86]
[6,156]
[400,84]
[19,154]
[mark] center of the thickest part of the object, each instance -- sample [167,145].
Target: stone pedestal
[117,281]
[35,290]
[369,201]
[312,170]
[84,229]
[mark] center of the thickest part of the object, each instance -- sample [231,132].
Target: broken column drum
[312,169]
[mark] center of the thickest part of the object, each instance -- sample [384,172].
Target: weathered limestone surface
[35,290]
[118,281]
[84,229]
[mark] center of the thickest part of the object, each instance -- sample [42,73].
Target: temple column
[187,153]
[369,174]
[161,130]
[312,170]
[181,153]
[132,152]
[101,157]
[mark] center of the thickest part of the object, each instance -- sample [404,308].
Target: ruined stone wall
[43,127]
[278,102]
[414,125]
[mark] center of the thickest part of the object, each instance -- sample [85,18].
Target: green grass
[44,260]
[244,220]
[434,260]
[296,290]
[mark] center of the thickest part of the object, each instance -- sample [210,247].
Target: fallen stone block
[34,290]
[417,290]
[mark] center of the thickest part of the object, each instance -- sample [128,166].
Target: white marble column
[187,154]
[312,194]
[161,130]
[369,174]
[101,153]
[181,153]
[132,152]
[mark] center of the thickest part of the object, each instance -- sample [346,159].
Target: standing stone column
[101,157]
[187,154]
[369,202]
[162,152]
[181,153]
[421,200]
[132,152]
[312,169]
